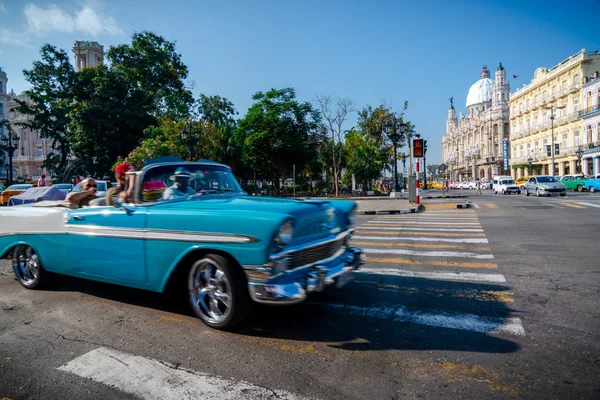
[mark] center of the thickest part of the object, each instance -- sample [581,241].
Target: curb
[390,212]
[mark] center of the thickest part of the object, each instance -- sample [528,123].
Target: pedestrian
[447,184]
[478,184]
[77,180]
[42,180]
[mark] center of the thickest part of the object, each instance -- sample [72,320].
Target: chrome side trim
[158,234]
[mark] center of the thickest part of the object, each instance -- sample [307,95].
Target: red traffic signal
[418,148]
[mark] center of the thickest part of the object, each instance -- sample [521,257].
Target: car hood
[552,185]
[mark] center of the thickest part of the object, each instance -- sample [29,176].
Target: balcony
[591,109]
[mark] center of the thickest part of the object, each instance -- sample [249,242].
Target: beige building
[552,98]
[472,145]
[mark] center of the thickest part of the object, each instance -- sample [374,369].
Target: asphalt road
[499,301]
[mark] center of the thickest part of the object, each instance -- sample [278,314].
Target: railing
[590,109]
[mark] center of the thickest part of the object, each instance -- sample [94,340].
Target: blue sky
[370,51]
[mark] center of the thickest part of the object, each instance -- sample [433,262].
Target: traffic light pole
[417,184]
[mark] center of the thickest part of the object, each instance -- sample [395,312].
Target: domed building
[472,147]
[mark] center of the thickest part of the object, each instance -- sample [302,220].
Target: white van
[505,185]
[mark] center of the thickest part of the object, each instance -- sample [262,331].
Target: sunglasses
[91,186]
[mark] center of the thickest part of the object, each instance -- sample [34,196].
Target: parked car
[543,185]
[467,185]
[64,187]
[102,188]
[505,185]
[13,190]
[522,181]
[215,245]
[453,185]
[574,182]
[591,184]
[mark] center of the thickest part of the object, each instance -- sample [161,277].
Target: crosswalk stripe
[152,379]
[589,204]
[421,238]
[452,276]
[373,230]
[461,254]
[417,223]
[571,205]
[432,262]
[464,322]
[391,228]
[419,245]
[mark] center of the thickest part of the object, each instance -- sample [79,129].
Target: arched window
[589,134]
[588,102]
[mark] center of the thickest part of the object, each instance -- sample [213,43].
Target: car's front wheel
[27,267]
[526,192]
[537,192]
[217,291]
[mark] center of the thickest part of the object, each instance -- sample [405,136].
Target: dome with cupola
[481,91]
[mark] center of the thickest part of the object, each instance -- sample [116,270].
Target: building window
[38,151]
[589,134]
[537,147]
[565,143]
[576,106]
[544,97]
[588,101]
[39,171]
[576,80]
[564,86]
[576,138]
[521,151]
[553,91]
[545,118]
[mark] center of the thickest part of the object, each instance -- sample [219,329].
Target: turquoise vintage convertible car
[191,227]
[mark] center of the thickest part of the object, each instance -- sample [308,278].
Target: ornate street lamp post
[10,143]
[191,138]
[579,154]
[552,108]
[403,159]
[424,164]
[395,137]
[530,160]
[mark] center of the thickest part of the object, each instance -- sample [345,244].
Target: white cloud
[87,20]
[3,9]
[13,38]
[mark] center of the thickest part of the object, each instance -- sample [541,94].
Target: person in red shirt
[42,180]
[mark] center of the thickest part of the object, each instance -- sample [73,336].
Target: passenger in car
[181,186]
[118,192]
[88,193]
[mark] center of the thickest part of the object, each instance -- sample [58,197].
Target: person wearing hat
[42,180]
[181,186]
[119,190]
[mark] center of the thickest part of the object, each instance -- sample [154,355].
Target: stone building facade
[472,146]
[590,117]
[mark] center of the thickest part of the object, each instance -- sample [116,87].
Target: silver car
[543,185]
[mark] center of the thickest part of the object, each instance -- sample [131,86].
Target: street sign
[505,153]
[444,167]
[418,148]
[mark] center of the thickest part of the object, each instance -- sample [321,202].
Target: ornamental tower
[501,91]
[87,54]
[451,122]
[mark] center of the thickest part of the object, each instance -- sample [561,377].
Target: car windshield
[508,182]
[545,179]
[168,182]
[63,185]
[18,187]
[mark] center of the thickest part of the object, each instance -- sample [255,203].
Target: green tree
[217,110]
[50,103]
[278,132]
[377,123]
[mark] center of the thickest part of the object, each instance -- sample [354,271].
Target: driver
[181,186]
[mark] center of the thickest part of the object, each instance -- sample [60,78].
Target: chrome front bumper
[339,271]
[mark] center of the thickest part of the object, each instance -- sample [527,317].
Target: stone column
[596,165]
[561,168]
[584,164]
[573,167]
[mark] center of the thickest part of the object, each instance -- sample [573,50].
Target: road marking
[424,218]
[417,223]
[152,379]
[491,205]
[463,322]
[461,254]
[438,263]
[419,245]
[572,205]
[589,204]
[412,232]
[421,239]
[452,276]
[399,228]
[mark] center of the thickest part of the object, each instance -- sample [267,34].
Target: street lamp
[530,160]
[552,108]
[191,138]
[579,154]
[395,135]
[10,143]
[403,159]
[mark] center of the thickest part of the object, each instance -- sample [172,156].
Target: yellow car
[522,181]
[11,191]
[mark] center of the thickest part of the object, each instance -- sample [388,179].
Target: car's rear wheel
[217,291]
[579,188]
[27,267]
[593,189]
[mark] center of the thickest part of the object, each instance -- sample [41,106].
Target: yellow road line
[438,263]
[421,246]
[571,205]
[492,205]
[420,233]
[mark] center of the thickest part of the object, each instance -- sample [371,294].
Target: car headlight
[284,236]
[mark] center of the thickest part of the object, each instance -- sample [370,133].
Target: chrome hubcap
[26,265]
[210,291]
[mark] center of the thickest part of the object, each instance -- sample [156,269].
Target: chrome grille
[314,254]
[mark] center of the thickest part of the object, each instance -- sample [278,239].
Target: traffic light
[418,148]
